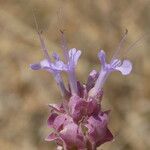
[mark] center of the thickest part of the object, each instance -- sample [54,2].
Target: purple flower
[78,122]
[55,67]
[124,67]
[73,58]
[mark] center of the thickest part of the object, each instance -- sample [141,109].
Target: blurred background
[89,25]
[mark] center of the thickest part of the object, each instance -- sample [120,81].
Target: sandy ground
[89,25]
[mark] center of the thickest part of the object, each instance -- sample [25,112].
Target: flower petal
[125,68]
[35,66]
[74,56]
[51,119]
[57,107]
[91,79]
[102,58]
[61,121]
[58,66]
[93,107]
[98,133]
[73,137]
[51,137]
[44,64]
[77,107]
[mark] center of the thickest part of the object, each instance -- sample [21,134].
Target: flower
[124,67]
[72,59]
[78,122]
[55,67]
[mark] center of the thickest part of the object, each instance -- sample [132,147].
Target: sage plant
[78,121]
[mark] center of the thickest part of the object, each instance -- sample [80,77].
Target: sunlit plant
[78,121]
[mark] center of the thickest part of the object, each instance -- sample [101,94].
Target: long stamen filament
[42,43]
[43,46]
[120,45]
[64,45]
[134,43]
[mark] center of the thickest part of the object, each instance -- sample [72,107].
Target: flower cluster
[78,122]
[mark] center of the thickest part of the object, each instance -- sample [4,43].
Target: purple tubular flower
[78,122]
[73,56]
[124,67]
[54,68]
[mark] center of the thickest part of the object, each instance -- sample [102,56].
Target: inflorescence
[78,122]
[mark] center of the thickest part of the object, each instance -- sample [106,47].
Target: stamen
[135,43]
[115,63]
[43,46]
[64,45]
[120,45]
[61,29]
